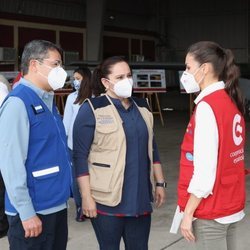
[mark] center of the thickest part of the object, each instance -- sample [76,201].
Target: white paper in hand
[176,221]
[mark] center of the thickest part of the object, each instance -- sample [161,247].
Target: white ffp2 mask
[57,77]
[189,83]
[123,88]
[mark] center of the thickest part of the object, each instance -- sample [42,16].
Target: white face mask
[189,83]
[123,88]
[76,84]
[56,77]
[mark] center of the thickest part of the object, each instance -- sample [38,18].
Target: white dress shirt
[205,154]
[69,116]
[3,92]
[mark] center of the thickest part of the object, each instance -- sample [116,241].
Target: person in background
[37,175]
[117,161]
[4,90]
[16,79]
[211,187]
[82,86]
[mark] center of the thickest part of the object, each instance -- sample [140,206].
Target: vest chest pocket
[100,177]
[106,133]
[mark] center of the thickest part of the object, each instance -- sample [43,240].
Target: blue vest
[48,163]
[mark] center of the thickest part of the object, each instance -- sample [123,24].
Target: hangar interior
[152,35]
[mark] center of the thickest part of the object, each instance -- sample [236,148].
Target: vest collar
[117,102]
[209,90]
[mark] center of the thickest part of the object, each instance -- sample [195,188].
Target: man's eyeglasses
[53,63]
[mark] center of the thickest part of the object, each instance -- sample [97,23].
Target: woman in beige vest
[117,161]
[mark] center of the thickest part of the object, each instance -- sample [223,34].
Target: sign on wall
[149,80]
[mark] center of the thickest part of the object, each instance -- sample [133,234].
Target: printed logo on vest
[189,156]
[105,119]
[38,109]
[237,130]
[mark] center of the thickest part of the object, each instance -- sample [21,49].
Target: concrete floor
[169,137]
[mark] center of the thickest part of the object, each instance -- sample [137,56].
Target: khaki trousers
[211,235]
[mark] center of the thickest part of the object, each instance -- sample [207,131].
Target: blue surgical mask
[76,84]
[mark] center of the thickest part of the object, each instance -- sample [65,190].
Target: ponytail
[224,68]
[231,74]
[97,86]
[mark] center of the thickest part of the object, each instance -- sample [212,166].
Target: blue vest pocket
[48,188]
[46,173]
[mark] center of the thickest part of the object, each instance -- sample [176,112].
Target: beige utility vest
[107,155]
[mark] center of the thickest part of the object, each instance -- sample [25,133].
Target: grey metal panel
[59,9]
[228,27]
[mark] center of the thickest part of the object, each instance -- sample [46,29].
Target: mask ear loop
[107,88]
[202,78]
[41,63]
[197,70]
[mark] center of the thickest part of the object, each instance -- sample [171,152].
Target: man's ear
[33,65]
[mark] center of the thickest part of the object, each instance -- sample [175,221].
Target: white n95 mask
[57,77]
[189,83]
[123,88]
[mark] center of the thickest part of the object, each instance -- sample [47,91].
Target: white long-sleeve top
[3,92]
[205,155]
[69,116]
